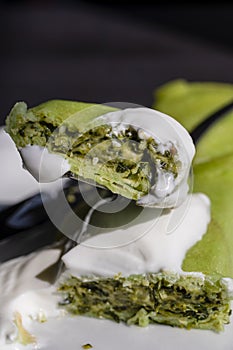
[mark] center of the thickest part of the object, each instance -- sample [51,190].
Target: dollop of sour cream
[43,165]
[168,191]
[26,185]
[163,244]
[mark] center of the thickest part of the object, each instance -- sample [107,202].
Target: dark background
[98,52]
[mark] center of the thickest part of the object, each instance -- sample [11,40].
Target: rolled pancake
[139,153]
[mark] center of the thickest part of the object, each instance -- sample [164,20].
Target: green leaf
[190,104]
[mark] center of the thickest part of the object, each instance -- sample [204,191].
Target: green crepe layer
[214,253]
[191,103]
[47,117]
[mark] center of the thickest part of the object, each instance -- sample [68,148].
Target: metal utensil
[26,225]
[52,273]
[75,177]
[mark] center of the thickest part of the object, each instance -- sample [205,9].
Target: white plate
[73,332]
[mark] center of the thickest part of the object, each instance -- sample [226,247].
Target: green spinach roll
[139,153]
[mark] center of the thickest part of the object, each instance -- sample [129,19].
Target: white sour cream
[20,182]
[167,192]
[43,165]
[162,245]
[23,292]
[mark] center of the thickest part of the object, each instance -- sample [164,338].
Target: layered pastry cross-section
[138,153]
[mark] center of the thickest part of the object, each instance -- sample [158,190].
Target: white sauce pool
[163,246]
[22,292]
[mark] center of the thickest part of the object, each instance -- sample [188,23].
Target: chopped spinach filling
[34,132]
[185,301]
[115,160]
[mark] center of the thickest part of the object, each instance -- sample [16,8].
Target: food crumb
[87,346]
